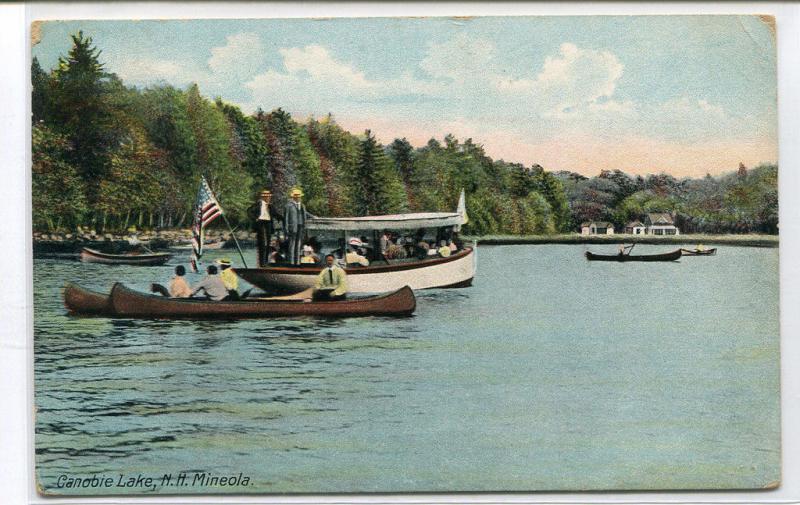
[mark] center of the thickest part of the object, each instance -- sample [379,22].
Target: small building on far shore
[635,228]
[597,228]
[661,223]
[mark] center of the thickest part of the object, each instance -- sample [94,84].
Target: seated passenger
[178,287]
[395,252]
[432,250]
[212,285]
[385,242]
[353,257]
[229,278]
[308,258]
[444,249]
[331,282]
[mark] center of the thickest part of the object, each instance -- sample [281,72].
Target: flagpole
[233,234]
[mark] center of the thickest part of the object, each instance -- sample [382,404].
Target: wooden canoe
[695,252]
[670,256]
[152,259]
[129,303]
[78,300]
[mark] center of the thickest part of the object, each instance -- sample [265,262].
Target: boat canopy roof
[391,221]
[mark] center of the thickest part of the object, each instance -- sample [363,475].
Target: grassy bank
[575,238]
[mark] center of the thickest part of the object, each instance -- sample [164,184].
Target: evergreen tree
[402,153]
[278,128]
[41,85]
[81,110]
[381,191]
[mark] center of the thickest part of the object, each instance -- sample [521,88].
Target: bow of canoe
[78,300]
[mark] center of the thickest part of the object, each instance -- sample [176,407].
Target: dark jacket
[255,210]
[295,218]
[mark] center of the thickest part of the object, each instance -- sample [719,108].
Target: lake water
[550,373]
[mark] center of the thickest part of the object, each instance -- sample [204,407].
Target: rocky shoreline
[47,243]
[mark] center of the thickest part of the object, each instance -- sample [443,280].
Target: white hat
[356,242]
[308,248]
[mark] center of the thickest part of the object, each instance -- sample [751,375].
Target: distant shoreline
[72,243]
[751,240]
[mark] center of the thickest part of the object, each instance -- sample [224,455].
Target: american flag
[206,210]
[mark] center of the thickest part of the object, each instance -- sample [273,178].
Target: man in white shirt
[264,214]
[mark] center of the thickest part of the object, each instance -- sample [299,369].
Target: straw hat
[296,192]
[225,262]
[266,192]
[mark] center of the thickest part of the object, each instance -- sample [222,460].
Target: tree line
[111,156]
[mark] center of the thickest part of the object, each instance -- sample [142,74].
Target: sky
[686,95]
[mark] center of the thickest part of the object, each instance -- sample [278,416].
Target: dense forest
[111,156]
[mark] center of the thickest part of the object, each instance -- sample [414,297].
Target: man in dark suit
[264,214]
[294,225]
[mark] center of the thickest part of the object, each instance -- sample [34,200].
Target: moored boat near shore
[147,259]
[670,256]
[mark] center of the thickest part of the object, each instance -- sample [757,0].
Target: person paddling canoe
[625,250]
[331,282]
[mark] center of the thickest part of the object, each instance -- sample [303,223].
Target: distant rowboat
[148,259]
[699,252]
[670,256]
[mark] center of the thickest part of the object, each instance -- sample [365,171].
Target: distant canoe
[150,259]
[671,256]
[126,302]
[78,300]
[695,252]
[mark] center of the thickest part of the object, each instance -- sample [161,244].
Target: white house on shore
[660,223]
[597,228]
[635,228]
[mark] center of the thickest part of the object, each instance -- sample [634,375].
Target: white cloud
[574,78]
[241,57]
[144,71]
[317,62]
[315,82]
[461,59]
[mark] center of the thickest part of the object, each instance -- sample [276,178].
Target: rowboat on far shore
[142,259]
[670,256]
